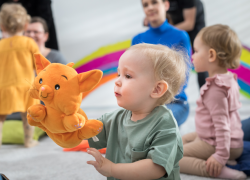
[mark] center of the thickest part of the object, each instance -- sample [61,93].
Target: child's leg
[28,132]
[195,166]
[2,119]
[194,159]
[187,138]
[234,154]
[232,162]
[245,128]
[229,173]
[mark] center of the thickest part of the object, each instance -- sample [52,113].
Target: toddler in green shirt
[142,138]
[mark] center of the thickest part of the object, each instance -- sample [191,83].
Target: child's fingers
[92,152]
[215,170]
[93,163]
[218,171]
[207,167]
[220,168]
[96,154]
[211,171]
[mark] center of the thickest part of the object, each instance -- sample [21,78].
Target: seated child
[142,139]
[218,137]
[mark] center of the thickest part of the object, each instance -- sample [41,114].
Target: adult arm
[189,16]
[44,10]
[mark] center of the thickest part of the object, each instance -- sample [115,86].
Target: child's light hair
[225,42]
[170,65]
[13,17]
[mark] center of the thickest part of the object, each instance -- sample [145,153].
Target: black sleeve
[43,9]
[186,4]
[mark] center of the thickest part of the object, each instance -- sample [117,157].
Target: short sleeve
[56,57]
[166,150]
[61,58]
[186,4]
[33,47]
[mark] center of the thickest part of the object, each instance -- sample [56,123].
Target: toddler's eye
[57,87]
[118,75]
[154,2]
[41,81]
[128,76]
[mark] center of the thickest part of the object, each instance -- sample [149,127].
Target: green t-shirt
[155,137]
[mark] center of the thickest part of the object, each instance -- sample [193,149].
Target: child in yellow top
[16,67]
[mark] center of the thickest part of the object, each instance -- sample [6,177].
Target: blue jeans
[180,110]
[246,129]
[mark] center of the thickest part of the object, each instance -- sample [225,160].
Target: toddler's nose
[42,88]
[118,83]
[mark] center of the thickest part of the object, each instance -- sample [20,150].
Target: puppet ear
[41,62]
[89,80]
[71,64]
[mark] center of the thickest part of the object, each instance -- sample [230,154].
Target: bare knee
[2,118]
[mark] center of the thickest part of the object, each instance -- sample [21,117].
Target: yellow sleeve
[33,49]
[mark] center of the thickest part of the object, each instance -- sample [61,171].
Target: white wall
[84,26]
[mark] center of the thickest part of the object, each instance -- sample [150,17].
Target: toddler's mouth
[117,94]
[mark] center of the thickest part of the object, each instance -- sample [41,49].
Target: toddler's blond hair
[170,65]
[225,42]
[13,17]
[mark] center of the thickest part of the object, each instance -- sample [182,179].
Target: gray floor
[83,27]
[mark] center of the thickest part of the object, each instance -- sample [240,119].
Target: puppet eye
[41,81]
[57,87]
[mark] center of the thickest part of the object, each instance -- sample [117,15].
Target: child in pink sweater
[218,138]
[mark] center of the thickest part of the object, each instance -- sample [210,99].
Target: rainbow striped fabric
[106,59]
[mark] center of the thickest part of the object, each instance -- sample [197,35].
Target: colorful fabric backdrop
[106,59]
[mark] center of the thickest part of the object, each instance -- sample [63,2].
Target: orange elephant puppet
[60,87]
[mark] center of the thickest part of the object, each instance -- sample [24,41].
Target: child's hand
[213,167]
[102,165]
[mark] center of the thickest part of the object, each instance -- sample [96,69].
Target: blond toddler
[142,138]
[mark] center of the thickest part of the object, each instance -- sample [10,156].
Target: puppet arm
[74,122]
[36,113]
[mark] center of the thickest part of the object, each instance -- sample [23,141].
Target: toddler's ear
[212,55]
[41,62]
[160,88]
[88,80]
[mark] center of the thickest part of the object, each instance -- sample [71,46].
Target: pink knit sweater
[217,119]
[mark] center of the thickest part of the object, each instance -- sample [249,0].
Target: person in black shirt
[188,15]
